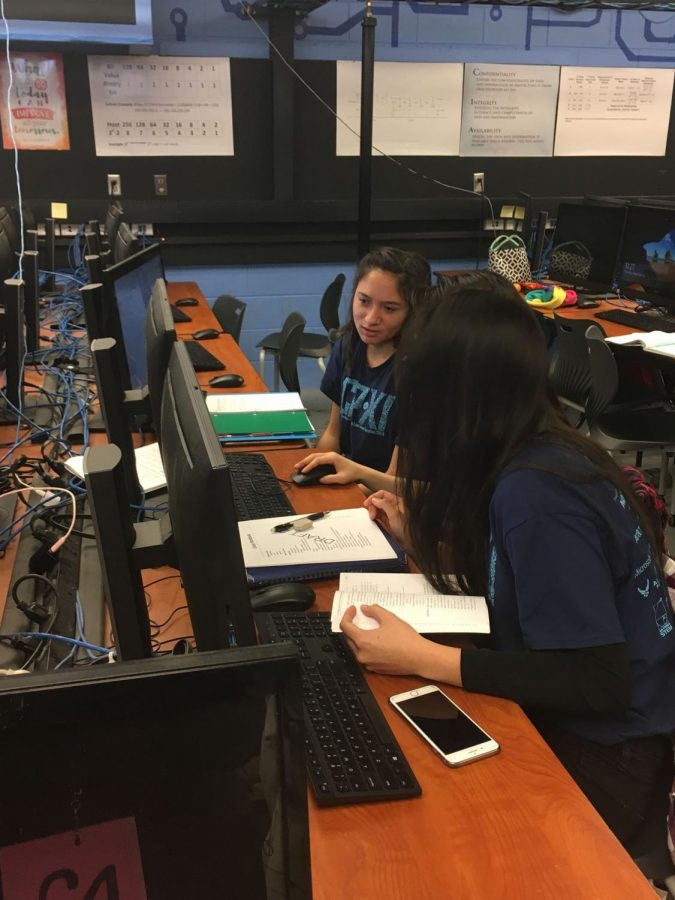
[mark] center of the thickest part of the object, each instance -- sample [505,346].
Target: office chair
[230,314]
[314,346]
[625,427]
[570,371]
[289,347]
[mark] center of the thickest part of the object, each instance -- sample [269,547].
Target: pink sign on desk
[101,862]
[37,102]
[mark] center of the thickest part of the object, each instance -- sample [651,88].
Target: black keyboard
[256,489]
[638,321]
[179,315]
[352,755]
[201,359]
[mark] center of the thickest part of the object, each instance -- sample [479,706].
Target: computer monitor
[49,283]
[125,243]
[647,265]
[92,241]
[160,336]
[185,774]
[9,262]
[94,268]
[31,277]
[10,229]
[201,526]
[112,221]
[586,245]
[128,286]
[203,516]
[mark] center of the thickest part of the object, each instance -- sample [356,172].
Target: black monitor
[647,265]
[201,525]
[92,241]
[94,268]
[9,227]
[203,516]
[186,773]
[125,243]
[9,262]
[128,285]
[31,277]
[112,221]
[160,336]
[586,245]
[49,283]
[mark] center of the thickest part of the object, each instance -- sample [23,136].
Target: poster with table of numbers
[161,106]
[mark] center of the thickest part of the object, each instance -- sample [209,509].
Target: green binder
[271,423]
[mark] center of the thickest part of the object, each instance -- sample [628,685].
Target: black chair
[625,427]
[570,372]
[230,314]
[289,348]
[314,346]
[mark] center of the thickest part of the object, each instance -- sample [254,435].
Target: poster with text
[37,102]
[508,110]
[161,105]
[613,112]
[416,108]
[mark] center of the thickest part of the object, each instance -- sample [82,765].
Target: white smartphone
[449,731]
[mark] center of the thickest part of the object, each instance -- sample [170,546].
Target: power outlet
[161,186]
[114,186]
[479,182]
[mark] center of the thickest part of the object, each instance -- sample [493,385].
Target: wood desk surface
[511,827]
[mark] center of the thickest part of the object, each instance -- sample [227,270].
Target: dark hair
[413,276]
[473,391]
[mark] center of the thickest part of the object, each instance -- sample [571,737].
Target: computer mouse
[304,479]
[206,334]
[187,301]
[293,597]
[587,303]
[231,380]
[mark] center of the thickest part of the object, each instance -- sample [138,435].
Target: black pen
[302,523]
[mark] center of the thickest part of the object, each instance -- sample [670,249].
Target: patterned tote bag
[508,257]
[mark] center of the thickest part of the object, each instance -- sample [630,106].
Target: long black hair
[473,391]
[413,277]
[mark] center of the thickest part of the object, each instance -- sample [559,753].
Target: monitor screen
[120,22]
[178,777]
[648,255]
[203,516]
[160,336]
[129,285]
[586,245]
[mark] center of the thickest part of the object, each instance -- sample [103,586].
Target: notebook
[149,468]
[344,540]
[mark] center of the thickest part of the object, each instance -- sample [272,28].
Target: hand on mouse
[346,470]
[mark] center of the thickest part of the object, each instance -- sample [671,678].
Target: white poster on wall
[161,106]
[508,110]
[613,112]
[416,108]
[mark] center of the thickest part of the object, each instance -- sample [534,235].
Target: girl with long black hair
[496,488]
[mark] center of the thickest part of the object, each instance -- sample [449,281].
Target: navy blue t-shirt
[571,568]
[368,407]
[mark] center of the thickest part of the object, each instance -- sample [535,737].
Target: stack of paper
[259,417]
[662,342]
[149,468]
[414,600]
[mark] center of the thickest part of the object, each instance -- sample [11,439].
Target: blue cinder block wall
[271,292]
